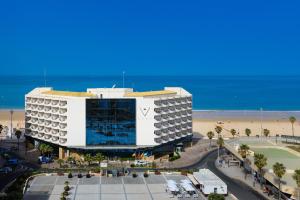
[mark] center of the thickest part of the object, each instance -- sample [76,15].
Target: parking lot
[104,188]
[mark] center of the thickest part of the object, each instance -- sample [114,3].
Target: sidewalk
[237,173]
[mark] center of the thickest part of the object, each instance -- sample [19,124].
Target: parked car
[44,160]
[5,170]
[140,162]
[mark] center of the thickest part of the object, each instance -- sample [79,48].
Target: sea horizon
[220,93]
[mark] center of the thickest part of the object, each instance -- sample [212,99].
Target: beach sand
[281,127]
[17,118]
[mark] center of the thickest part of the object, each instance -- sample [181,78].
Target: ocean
[209,92]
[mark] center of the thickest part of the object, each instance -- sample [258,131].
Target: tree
[45,149]
[292,119]
[244,149]
[233,132]
[215,196]
[18,134]
[210,136]
[260,161]
[60,162]
[220,143]
[88,158]
[218,130]
[296,177]
[266,132]
[279,170]
[248,132]
[1,128]
[99,157]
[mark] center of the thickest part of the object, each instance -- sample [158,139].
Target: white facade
[59,117]
[209,182]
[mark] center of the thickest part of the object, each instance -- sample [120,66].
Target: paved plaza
[104,188]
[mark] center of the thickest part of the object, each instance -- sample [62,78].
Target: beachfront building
[109,118]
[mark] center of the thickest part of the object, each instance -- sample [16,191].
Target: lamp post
[11,125]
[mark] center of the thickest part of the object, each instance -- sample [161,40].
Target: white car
[140,162]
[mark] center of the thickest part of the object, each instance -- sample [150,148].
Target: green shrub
[70,175]
[214,196]
[132,165]
[66,188]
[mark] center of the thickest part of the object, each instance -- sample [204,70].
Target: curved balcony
[54,124]
[189,125]
[28,99]
[54,131]
[62,103]
[178,121]
[54,110]
[47,115]
[40,128]
[62,111]
[184,132]
[40,121]
[171,122]
[189,105]
[33,133]
[157,118]
[62,140]
[158,140]
[184,100]
[55,138]
[178,127]
[165,137]
[54,102]
[171,129]
[47,123]
[183,112]
[62,125]
[189,99]
[157,103]
[47,130]
[184,119]
[40,114]
[157,110]
[178,107]
[165,124]
[165,116]
[47,101]
[172,136]
[62,133]
[184,106]
[47,137]
[62,118]
[28,112]
[157,125]
[178,134]
[33,127]
[189,118]
[189,112]
[164,131]
[178,114]
[172,101]
[40,134]
[33,120]
[172,108]
[165,102]
[47,108]
[178,100]
[34,107]
[28,106]
[40,101]
[157,133]
[55,117]
[33,100]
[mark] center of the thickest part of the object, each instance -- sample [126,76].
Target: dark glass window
[110,122]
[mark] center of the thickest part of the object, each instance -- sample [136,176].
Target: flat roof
[68,93]
[150,93]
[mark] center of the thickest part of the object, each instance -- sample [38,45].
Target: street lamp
[11,125]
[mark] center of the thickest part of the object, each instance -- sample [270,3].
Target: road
[239,189]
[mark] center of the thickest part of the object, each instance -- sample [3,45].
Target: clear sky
[143,37]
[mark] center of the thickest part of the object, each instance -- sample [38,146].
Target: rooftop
[67,93]
[150,93]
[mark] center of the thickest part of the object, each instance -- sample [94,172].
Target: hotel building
[109,118]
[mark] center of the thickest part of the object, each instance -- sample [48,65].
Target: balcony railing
[55,138]
[62,103]
[62,126]
[54,131]
[47,101]
[62,140]
[54,102]
[158,140]
[62,111]
[62,133]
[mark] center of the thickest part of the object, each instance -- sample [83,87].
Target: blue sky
[150,37]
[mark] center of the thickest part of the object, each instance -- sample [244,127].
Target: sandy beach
[17,118]
[276,121]
[204,121]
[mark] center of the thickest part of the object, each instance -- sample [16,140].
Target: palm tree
[88,158]
[292,119]
[98,157]
[266,132]
[248,132]
[220,143]
[244,150]
[279,170]
[218,130]
[296,177]
[42,148]
[260,161]
[60,162]
[18,134]
[233,132]
[210,136]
